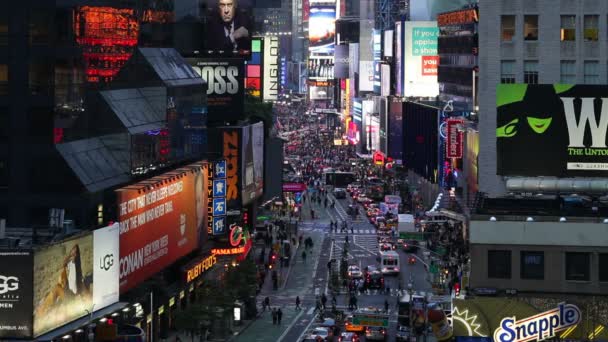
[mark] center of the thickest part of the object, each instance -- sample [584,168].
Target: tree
[190,320]
[241,282]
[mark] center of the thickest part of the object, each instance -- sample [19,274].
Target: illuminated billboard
[16,301]
[377,55]
[271,68]
[321,29]
[398,58]
[63,283]
[420,59]
[253,69]
[341,61]
[228,28]
[430,9]
[161,220]
[252,162]
[366,76]
[106,251]
[385,76]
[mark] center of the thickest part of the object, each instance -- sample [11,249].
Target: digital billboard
[420,59]
[16,293]
[63,283]
[321,29]
[253,69]
[231,149]
[161,220]
[257,137]
[388,43]
[385,76]
[429,9]
[252,160]
[395,129]
[216,198]
[225,86]
[320,93]
[271,68]
[377,55]
[228,26]
[321,68]
[106,253]
[551,130]
[341,61]
[398,58]
[366,76]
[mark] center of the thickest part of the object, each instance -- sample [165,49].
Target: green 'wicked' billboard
[552,130]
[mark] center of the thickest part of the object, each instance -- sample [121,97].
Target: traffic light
[457,289]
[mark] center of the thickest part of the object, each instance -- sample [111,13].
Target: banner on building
[271,68]
[341,61]
[454,139]
[16,293]
[420,60]
[106,267]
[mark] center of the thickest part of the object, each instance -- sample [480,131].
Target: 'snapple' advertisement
[159,223]
[16,301]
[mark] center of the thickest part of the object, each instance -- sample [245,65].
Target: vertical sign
[377,50]
[106,253]
[398,59]
[230,148]
[217,198]
[253,69]
[271,68]
[454,139]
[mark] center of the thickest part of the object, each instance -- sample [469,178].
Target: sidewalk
[262,328]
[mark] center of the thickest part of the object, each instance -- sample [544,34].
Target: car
[348,337]
[387,246]
[350,327]
[370,269]
[380,222]
[375,334]
[374,280]
[374,219]
[410,246]
[354,272]
[362,198]
[310,338]
[322,332]
[365,202]
[339,193]
[350,187]
[402,334]
[372,212]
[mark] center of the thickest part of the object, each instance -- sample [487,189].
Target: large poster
[377,56]
[160,221]
[106,252]
[366,76]
[395,129]
[16,302]
[63,283]
[225,79]
[341,61]
[231,140]
[398,59]
[257,136]
[552,130]
[271,68]
[322,29]
[420,60]
[228,27]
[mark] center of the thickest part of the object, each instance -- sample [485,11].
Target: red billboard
[454,144]
[294,187]
[161,220]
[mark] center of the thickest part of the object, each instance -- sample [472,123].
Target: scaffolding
[390,11]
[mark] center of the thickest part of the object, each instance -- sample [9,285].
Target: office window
[39,26]
[578,266]
[4,174]
[3,79]
[592,72]
[568,27]
[603,264]
[531,72]
[591,31]
[4,26]
[499,264]
[530,27]
[40,76]
[567,72]
[507,24]
[507,72]
[532,265]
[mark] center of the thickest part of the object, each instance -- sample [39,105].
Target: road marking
[291,326]
[422,261]
[310,311]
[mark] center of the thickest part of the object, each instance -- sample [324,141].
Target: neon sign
[538,327]
[200,267]
[236,235]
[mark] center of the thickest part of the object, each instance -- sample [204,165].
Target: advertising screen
[106,252]
[63,283]
[341,61]
[429,9]
[271,68]
[16,301]
[377,55]
[228,27]
[385,71]
[253,69]
[565,124]
[257,136]
[231,149]
[321,29]
[398,58]
[357,110]
[420,60]
[225,86]
[388,43]
[395,129]
[319,93]
[159,224]
[252,160]
[366,76]
[321,68]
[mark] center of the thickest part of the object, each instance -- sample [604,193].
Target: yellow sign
[200,267]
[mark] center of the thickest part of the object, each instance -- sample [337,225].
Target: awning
[81,322]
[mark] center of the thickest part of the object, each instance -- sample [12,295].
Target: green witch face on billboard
[551,130]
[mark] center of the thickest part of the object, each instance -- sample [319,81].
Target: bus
[389,262]
[339,179]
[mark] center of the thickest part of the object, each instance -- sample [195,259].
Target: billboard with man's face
[16,302]
[229,25]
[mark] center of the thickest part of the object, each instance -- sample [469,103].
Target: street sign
[433,269]
[411,236]
[371,320]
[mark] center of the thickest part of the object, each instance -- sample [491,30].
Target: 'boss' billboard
[225,86]
[552,130]
[16,301]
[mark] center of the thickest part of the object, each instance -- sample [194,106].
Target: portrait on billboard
[229,26]
[551,130]
[63,283]
[322,29]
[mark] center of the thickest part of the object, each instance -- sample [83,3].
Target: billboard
[253,69]
[216,198]
[321,29]
[388,43]
[252,162]
[366,76]
[357,110]
[565,124]
[225,86]
[395,129]
[320,93]
[454,139]
[377,55]
[231,149]
[161,220]
[341,61]
[385,73]
[271,68]
[421,10]
[420,59]
[16,300]
[106,252]
[228,27]
[63,283]
[398,58]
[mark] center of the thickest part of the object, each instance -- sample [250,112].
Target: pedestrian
[386,306]
[266,303]
[274,316]
[323,300]
[298,303]
[279,316]
[352,231]
[304,256]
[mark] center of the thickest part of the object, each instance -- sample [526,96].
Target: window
[567,72]
[531,72]
[40,75]
[592,72]
[4,125]
[591,29]
[532,265]
[3,79]
[507,72]
[603,264]
[530,27]
[568,28]
[507,23]
[4,174]
[39,26]
[4,26]
[499,264]
[577,266]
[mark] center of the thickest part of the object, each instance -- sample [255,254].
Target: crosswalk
[324,227]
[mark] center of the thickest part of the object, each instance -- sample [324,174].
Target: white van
[389,262]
